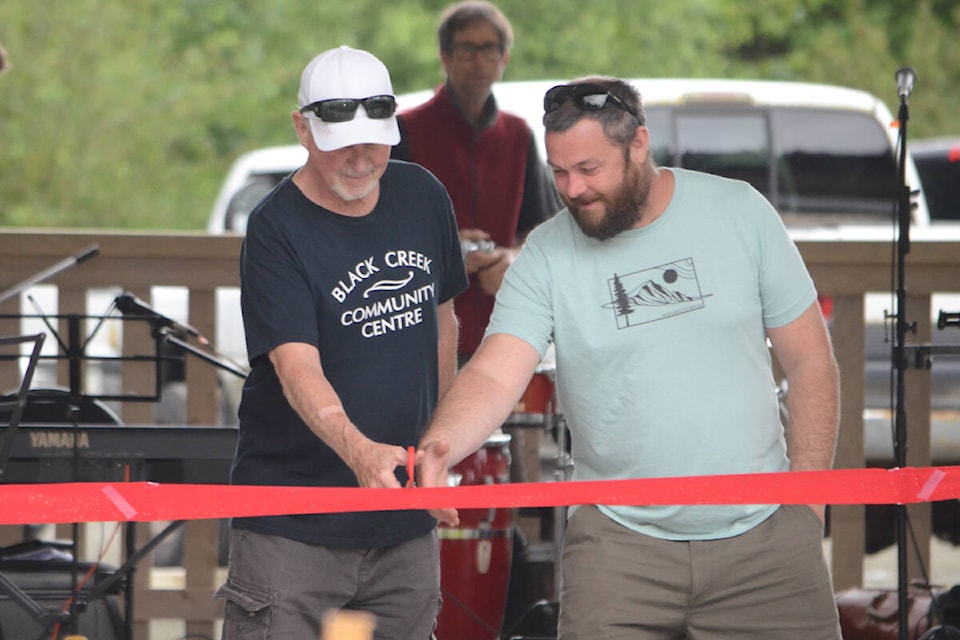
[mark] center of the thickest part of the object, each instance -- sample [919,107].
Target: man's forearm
[813,407]
[482,395]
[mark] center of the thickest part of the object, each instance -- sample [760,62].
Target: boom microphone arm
[131,305]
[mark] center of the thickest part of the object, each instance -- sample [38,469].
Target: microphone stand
[900,361]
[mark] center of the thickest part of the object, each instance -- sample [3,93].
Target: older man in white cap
[348,273]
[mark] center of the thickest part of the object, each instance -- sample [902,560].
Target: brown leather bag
[872,614]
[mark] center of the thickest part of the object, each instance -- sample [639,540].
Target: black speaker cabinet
[48,583]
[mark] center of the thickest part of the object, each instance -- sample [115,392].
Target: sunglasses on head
[345,109]
[587,97]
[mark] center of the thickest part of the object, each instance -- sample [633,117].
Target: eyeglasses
[466,51]
[345,109]
[587,97]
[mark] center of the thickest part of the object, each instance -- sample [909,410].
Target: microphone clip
[905,77]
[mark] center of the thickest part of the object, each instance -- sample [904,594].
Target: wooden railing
[845,271]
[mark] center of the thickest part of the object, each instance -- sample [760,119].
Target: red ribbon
[147,501]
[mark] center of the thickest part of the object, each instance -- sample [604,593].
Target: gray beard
[348,196]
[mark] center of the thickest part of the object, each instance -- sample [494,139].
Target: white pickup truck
[825,156]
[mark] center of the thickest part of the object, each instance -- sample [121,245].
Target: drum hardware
[533,606]
[563,471]
[538,617]
[538,622]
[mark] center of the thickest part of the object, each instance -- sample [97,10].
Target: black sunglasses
[345,109]
[588,97]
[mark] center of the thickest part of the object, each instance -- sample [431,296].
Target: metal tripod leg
[563,469]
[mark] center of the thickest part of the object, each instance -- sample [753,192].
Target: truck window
[835,163]
[816,166]
[247,198]
[734,145]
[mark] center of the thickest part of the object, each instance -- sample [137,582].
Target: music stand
[20,401]
[43,616]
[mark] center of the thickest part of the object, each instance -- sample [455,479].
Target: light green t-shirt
[663,367]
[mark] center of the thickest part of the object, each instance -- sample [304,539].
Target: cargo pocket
[247,612]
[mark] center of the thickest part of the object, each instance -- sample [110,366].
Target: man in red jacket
[487,159]
[489,163]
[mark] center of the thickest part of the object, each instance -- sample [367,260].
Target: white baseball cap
[347,73]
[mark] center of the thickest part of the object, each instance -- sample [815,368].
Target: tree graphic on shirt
[620,297]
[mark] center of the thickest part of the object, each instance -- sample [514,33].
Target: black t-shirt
[365,292]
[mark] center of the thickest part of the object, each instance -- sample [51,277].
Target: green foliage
[128,114]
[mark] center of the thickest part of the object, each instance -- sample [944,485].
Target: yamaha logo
[59,440]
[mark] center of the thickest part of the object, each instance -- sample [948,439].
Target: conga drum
[536,407]
[475,556]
